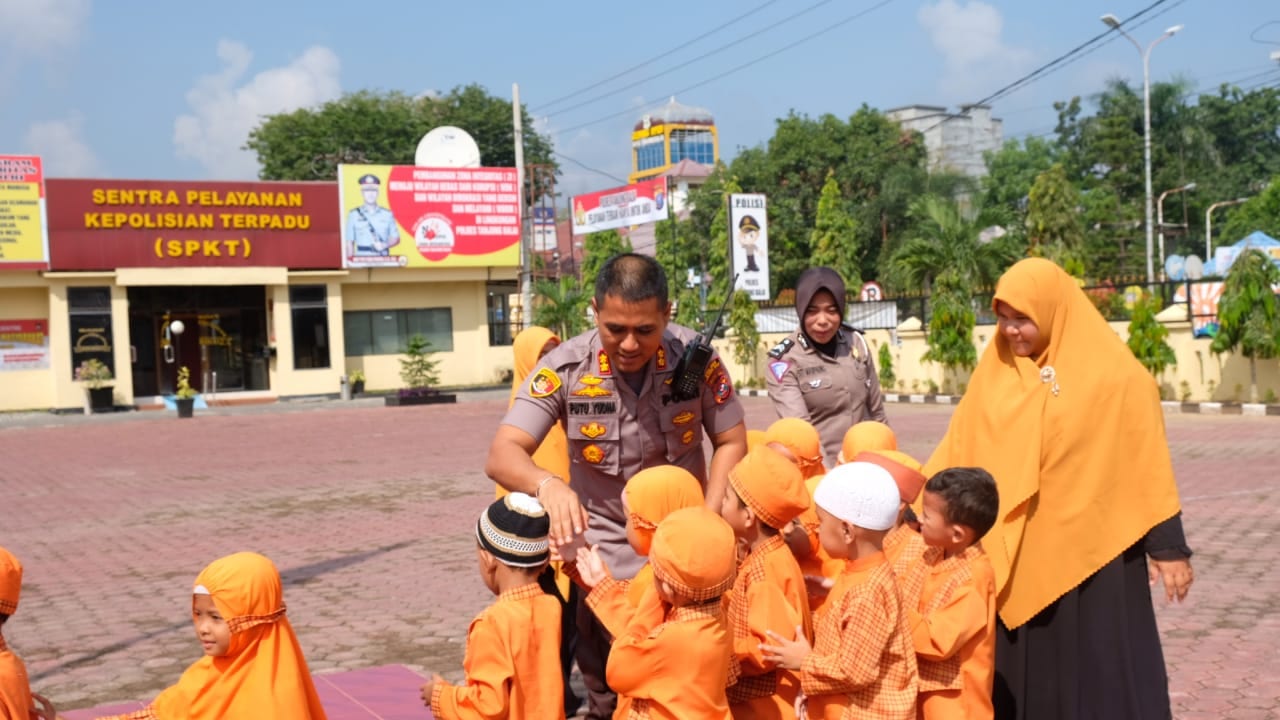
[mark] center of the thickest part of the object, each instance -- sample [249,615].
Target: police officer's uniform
[614,432]
[369,225]
[833,393]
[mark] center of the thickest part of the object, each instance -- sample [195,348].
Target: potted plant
[96,375]
[356,378]
[418,371]
[185,397]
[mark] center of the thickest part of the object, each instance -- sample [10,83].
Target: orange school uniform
[15,690]
[903,547]
[951,609]
[862,666]
[512,662]
[769,594]
[673,663]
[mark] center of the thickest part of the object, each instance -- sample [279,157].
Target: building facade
[955,141]
[670,134]
[254,272]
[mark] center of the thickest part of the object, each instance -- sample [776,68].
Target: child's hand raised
[591,567]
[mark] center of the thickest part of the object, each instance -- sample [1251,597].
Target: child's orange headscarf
[652,495]
[864,436]
[263,673]
[553,454]
[10,582]
[1074,438]
[755,438]
[802,439]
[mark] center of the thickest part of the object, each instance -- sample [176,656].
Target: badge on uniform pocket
[593,430]
[593,454]
[815,383]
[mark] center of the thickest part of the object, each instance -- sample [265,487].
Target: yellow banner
[24,242]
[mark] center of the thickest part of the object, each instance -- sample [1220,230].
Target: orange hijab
[755,438]
[553,454]
[1074,438]
[263,673]
[653,494]
[866,435]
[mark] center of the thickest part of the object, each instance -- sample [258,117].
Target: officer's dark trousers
[592,653]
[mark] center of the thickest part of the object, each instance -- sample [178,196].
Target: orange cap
[802,439]
[771,486]
[905,470]
[694,551]
[10,582]
[867,435]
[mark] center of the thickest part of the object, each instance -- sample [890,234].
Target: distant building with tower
[955,141]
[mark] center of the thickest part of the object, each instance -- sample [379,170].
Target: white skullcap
[860,493]
[200,590]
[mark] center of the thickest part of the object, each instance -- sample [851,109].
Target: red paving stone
[367,511]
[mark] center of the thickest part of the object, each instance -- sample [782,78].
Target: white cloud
[61,145]
[42,27]
[225,106]
[968,35]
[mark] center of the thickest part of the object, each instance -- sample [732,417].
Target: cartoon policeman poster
[749,243]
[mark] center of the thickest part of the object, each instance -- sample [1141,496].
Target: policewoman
[823,372]
[610,389]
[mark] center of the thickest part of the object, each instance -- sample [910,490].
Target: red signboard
[109,224]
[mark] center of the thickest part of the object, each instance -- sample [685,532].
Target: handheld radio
[687,378]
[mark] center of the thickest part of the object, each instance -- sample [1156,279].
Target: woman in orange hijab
[252,666]
[1071,426]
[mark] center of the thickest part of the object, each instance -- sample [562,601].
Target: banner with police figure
[749,244]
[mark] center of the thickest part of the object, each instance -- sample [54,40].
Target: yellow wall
[472,361]
[1208,377]
[69,394]
[26,389]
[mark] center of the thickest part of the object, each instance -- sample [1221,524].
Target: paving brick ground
[368,512]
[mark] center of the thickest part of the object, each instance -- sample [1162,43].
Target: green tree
[834,240]
[1013,168]
[597,248]
[561,305]
[1259,213]
[888,379]
[677,258]
[1148,337]
[1053,221]
[948,258]
[718,262]
[746,336]
[384,128]
[418,369]
[1248,313]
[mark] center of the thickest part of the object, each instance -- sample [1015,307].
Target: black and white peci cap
[514,529]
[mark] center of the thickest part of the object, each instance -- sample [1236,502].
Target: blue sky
[140,89]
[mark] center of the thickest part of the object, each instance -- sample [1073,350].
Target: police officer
[749,239]
[371,228]
[823,372]
[610,388]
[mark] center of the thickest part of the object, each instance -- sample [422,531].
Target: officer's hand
[568,517]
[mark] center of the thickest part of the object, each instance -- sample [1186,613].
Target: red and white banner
[626,206]
[24,344]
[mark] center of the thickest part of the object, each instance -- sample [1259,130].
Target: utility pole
[526,265]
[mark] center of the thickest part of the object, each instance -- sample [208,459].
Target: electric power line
[657,57]
[584,166]
[743,66]
[729,45]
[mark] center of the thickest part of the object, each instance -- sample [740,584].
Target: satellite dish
[1174,266]
[447,146]
[1194,268]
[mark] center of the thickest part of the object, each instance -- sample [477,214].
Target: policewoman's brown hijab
[1074,438]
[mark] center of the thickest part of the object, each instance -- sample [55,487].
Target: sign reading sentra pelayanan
[109,224]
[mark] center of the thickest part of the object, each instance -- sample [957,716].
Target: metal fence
[1114,300]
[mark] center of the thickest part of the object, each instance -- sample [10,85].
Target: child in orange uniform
[864,436]
[950,596]
[862,664]
[253,666]
[673,660]
[513,646]
[765,493]
[902,544]
[15,692]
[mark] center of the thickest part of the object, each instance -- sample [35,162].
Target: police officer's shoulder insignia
[661,359]
[781,348]
[779,368]
[723,388]
[593,454]
[712,368]
[544,383]
[602,362]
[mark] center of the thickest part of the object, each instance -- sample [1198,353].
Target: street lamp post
[1114,23]
[1208,223]
[1160,215]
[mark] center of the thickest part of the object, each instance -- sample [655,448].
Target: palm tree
[947,257]
[561,306]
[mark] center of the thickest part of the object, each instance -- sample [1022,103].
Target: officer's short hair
[632,278]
